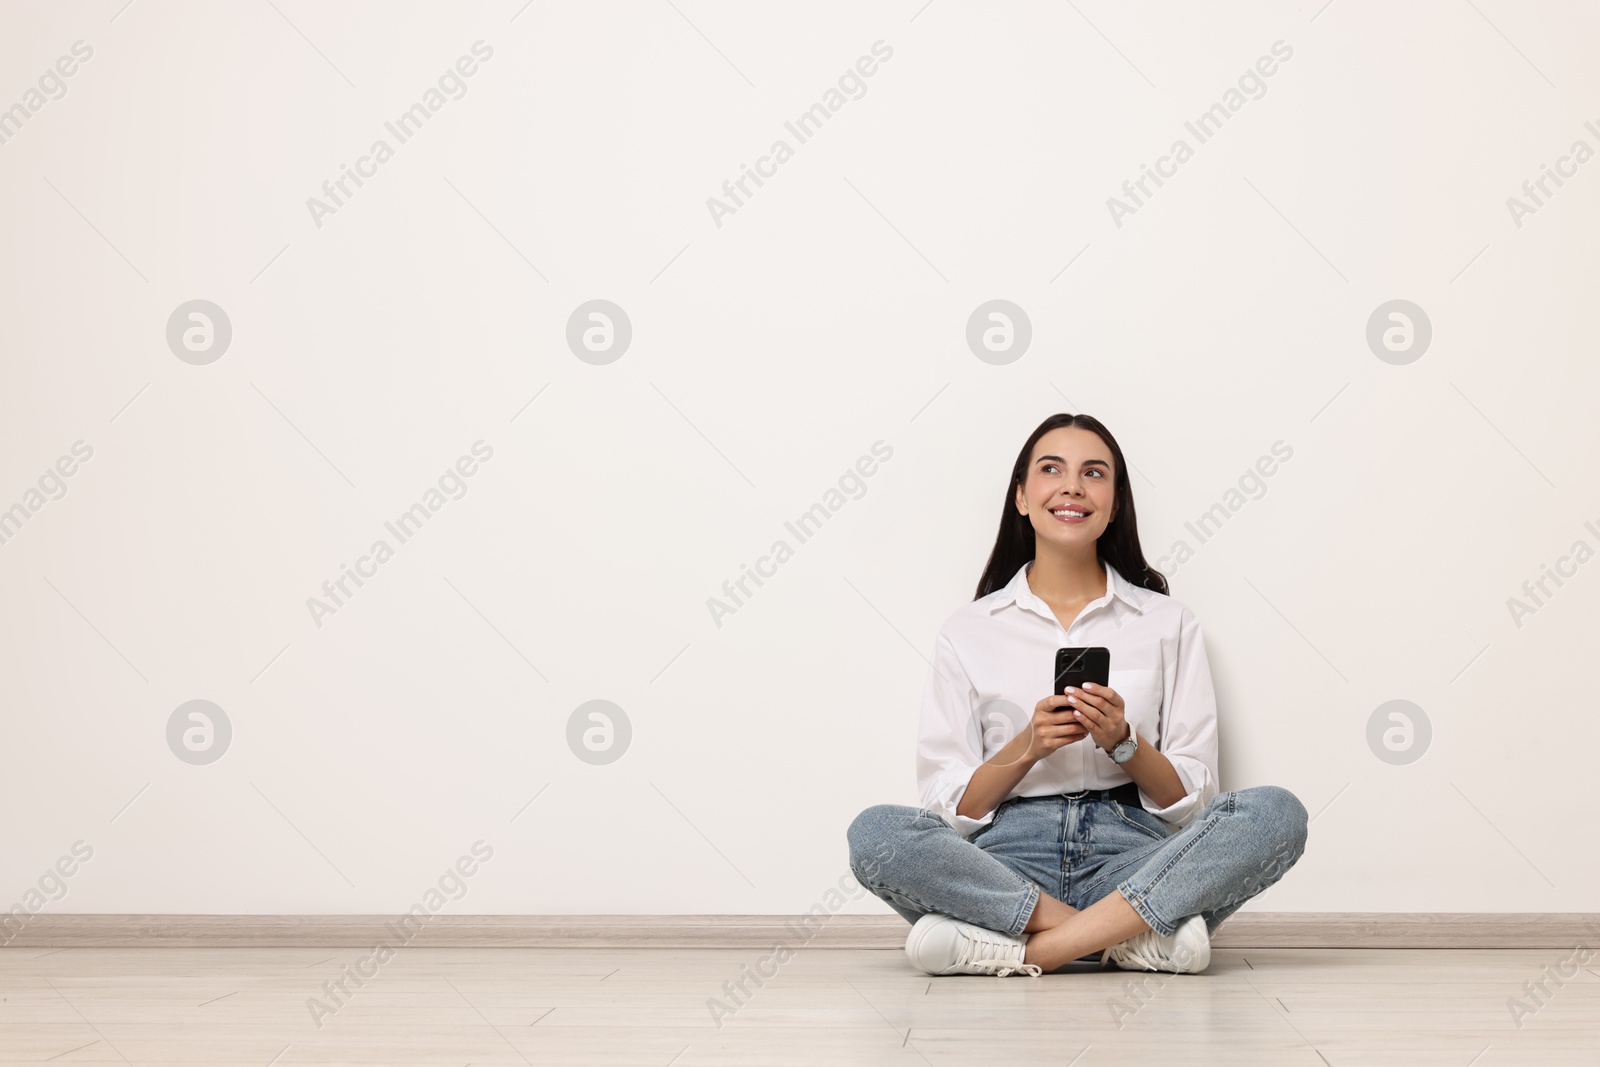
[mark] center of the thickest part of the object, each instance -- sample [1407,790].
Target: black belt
[1126,794]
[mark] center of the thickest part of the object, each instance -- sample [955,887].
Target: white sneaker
[1188,951]
[939,944]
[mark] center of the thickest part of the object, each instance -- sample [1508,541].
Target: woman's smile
[1070,515]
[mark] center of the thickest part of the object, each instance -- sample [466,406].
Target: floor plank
[653,1007]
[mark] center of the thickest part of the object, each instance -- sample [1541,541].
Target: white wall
[769,353]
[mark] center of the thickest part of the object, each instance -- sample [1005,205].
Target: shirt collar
[1018,592]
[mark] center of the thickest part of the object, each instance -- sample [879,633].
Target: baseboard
[1243,930]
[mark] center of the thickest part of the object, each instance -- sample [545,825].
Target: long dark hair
[1118,546]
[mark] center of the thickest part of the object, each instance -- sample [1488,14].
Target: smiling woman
[1097,824]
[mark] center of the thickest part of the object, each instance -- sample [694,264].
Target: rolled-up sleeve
[949,743]
[1188,725]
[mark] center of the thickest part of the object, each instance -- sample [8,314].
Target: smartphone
[1074,666]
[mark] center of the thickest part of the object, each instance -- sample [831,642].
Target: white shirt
[994,659]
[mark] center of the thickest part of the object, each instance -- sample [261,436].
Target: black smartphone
[1074,666]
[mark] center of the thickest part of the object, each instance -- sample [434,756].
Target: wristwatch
[1124,752]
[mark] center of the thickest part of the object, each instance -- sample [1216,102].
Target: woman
[1094,823]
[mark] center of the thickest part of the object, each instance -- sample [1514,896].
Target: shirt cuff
[1180,812]
[949,798]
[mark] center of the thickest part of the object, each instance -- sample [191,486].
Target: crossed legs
[1061,933]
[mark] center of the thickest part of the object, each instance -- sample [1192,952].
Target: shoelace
[1131,951]
[1032,970]
[972,943]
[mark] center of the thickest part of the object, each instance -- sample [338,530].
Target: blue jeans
[1078,850]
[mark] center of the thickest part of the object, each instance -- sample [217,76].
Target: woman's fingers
[1056,729]
[1056,725]
[1102,697]
[1057,703]
[1092,715]
[1063,735]
[1104,725]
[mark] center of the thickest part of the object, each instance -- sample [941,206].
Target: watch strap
[1131,742]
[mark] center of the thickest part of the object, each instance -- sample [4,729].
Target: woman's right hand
[1053,727]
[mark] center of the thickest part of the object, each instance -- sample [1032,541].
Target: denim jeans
[1079,849]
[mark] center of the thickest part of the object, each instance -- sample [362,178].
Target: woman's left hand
[1100,709]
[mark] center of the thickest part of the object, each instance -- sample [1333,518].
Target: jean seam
[1019,917]
[1123,815]
[1136,898]
[1025,912]
[879,887]
[1138,904]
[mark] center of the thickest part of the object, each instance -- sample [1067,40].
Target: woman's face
[1070,469]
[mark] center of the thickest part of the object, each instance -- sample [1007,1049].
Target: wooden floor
[452,1007]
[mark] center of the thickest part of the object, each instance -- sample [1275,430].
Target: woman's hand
[1100,710]
[1052,727]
